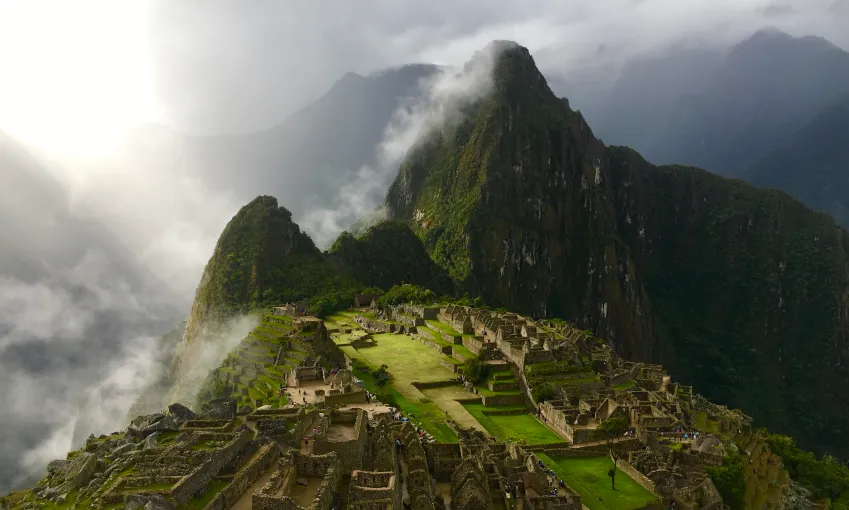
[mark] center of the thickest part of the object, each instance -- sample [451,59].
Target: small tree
[609,431]
[381,376]
[476,370]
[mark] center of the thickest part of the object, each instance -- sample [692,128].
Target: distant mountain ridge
[730,114]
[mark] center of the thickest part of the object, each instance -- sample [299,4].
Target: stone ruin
[300,482]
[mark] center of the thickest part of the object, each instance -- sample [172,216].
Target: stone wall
[216,460]
[341,399]
[636,475]
[502,400]
[350,453]
[373,489]
[246,476]
[324,466]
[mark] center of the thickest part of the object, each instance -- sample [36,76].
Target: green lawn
[588,477]
[408,361]
[523,428]
[444,327]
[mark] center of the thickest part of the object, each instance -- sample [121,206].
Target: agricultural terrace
[409,361]
[588,477]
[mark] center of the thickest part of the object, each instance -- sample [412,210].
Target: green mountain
[262,257]
[740,291]
[386,254]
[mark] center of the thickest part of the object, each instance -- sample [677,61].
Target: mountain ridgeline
[740,291]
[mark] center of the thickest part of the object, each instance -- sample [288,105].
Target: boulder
[144,426]
[123,449]
[152,441]
[266,407]
[77,473]
[219,409]
[245,410]
[181,413]
[56,465]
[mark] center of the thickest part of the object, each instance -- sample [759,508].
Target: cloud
[440,102]
[76,349]
[239,59]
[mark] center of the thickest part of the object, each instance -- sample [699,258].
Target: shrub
[543,392]
[476,370]
[730,481]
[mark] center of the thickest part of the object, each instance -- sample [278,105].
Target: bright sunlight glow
[74,75]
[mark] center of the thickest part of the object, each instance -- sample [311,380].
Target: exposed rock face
[144,426]
[75,474]
[742,292]
[181,413]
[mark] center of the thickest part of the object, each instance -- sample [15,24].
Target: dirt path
[446,399]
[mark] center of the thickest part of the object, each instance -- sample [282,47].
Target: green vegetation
[588,477]
[476,370]
[407,361]
[521,428]
[406,293]
[543,392]
[386,254]
[826,478]
[212,489]
[730,480]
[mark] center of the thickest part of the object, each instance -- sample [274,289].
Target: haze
[149,123]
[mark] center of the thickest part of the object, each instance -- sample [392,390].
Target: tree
[609,431]
[381,376]
[476,370]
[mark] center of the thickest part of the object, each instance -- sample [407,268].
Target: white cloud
[442,96]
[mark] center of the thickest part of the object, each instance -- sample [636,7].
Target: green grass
[435,336]
[212,489]
[444,327]
[675,446]
[523,428]
[588,477]
[483,390]
[625,385]
[408,361]
[463,351]
[422,412]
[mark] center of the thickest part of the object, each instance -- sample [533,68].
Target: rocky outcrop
[144,426]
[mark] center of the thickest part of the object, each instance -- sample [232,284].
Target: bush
[406,293]
[381,376]
[476,370]
[730,481]
[543,392]
[825,478]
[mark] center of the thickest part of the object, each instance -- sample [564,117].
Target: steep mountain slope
[743,291]
[387,254]
[814,164]
[261,257]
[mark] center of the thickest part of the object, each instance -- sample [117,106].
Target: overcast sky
[74,72]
